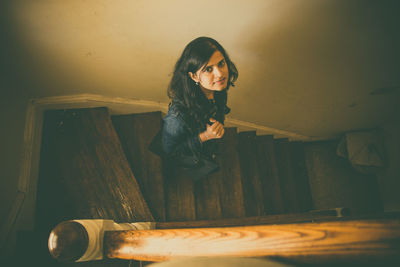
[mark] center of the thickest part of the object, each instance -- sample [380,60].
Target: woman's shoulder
[178,116]
[173,122]
[175,112]
[176,109]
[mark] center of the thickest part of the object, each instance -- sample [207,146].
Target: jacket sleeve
[176,139]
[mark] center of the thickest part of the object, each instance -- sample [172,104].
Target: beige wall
[327,56]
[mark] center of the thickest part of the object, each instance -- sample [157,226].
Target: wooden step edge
[155,113]
[231,129]
[264,139]
[247,134]
[312,216]
[281,140]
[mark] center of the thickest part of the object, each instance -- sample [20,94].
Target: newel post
[82,240]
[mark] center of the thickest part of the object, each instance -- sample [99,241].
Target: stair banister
[304,242]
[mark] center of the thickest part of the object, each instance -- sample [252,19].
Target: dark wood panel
[135,132]
[231,191]
[92,166]
[53,203]
[220,195]
[207,192]
[288,186]
[251,181]
[179,196]
[300,175]
[75,181]
[268,169]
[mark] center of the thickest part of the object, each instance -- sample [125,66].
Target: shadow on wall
[312,57]
[30,68]
[13,102]
[27,69]
[60,48]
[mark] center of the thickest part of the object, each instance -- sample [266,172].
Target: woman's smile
[221,81]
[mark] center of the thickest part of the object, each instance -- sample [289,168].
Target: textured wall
[334,182]
[389,178]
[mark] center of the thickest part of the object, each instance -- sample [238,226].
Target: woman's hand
[214,131]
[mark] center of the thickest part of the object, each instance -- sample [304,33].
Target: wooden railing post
[82,240]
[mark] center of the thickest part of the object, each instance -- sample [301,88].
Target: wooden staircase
[244,185]
[94,165]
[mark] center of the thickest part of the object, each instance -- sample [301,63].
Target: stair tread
[247,133]
[251,178]
[208,203]
[284,163]
[136,131]
[220,195]
[231,197]
[268,169]
[179,197]
[301,179]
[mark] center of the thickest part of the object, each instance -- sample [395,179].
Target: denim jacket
[177,138]
[181,146]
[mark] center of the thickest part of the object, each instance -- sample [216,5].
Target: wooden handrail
[79,240]
[321,241]
[309,242]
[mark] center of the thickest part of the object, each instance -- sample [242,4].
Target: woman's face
[214,75]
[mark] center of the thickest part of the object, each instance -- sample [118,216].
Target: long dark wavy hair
[188,96]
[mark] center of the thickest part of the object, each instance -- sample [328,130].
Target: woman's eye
[209,69]
[221,63]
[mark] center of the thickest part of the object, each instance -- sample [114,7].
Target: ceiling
[312,67]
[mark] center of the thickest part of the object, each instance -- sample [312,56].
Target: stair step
[268,169]
[135,132]
[231,191]
[251,180]
[179,197]
[208,202]
[220,195]
[288,186]
[300,173]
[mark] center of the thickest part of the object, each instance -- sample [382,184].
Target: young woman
[198,93]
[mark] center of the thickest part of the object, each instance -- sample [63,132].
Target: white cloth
[96,229]
[364,150]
